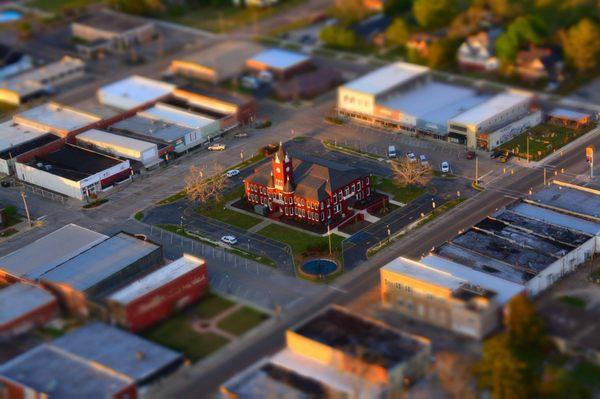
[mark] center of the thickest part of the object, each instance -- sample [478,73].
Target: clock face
[277,170]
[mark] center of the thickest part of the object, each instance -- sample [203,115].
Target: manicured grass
[242,320]
[210,306]
[587,375]
[573,301]
[223,18]
[59,5]
[230,216]
[177,334]
[404,194]
[543,140]
[172,198]
[300,242]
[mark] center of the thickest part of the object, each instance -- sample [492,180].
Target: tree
[506,47]
[441,53]
[524,327]
[350,11]
[434,14]
[455,371]
[581,45]
[501,371]
[395,7]
[521,31]
[338,36]
[398,33]
[508,8]
[205,190]
[408,173]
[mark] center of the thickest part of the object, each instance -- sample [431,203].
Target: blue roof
[567,114]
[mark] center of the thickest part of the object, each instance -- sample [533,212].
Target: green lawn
[177,334]
[230,216]
[399,193]
[573,301]
[300,242]
[543,140]
[242,320]
[223,18]
[210,306]
[59,5]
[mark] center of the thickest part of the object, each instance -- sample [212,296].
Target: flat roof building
[40,81]
[24,306]
[215,64]
[101,270]
[33,260]
[13,62]
[72,171]
[157,295]
[172,114]
[439,298]
[120,146]
[579,201]
[96,360]
[283,64]
[56,118]
[134,92]
[387,78]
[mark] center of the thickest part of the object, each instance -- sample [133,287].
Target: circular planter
[319,268]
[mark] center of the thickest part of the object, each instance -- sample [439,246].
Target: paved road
[365,278]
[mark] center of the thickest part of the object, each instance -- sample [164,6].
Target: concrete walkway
[259,226]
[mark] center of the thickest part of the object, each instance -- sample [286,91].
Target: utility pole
[527,148]
[589,155]
[544,175]
[476,169]
[23,196]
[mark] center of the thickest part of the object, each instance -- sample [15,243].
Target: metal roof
[171,114]
[422,272]
[386,78]
[56,116]
[492,107]
[133,91]
[99,137]
[144,126]
[100,262]
[157,279]
[117,350]
[279,59]
[13,134]
[556,218]
[19,299]
[43,255]
[59,375]
[567,114]
[570,199]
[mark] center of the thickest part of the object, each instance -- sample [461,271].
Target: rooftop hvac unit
[48,167]
[39,165]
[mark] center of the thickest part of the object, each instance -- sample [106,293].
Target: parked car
[240,135]
[5,183]
[423,160]
[496,154]
[231,240]
[445,167]
[232,172]
[392,151]
[411,156]
[470,155]
[216,147]
[250,82]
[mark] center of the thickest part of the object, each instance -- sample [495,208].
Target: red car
[470,155]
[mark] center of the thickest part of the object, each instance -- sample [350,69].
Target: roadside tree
[407,173]
[205,190]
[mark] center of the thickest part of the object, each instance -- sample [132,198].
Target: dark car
[4,183]
[470,155]
[496,154]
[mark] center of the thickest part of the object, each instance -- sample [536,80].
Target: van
[392,151]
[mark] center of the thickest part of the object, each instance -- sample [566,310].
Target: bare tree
[202,189]
[455,373]
[407,172]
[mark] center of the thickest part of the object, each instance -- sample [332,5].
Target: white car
[232,172]
[216,147]
[445,167]
[411,156]
[423,160]
[231,240]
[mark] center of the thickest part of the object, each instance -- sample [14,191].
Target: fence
[42,192]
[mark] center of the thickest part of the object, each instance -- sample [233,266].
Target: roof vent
[139,355]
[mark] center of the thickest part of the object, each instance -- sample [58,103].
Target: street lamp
[181,223]
[389,233]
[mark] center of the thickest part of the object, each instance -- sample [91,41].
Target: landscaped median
[397,192]
[199,330]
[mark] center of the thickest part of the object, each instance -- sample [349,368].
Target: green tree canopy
[398,33]
[338,36]
[396,7]
[434,14]
[581,45]
[522,31]
[525,328]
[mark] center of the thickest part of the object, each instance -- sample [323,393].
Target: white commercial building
[134,92]
[121,146]
[56,118]
[16,139]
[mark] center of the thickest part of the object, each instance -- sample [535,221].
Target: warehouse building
[218,63]
[72,171]
[24,306]
[108,30]
[202,125]
[41,81]
[16,139]
[134,93]
[96,360]
[30,262]
[110,265]
[439,298]
[133,149]
[581,202]
[157,295]
[403,97]
[282,64]
[56,118]
[340,353]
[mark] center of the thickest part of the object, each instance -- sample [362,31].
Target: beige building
[439,298]
[218,63]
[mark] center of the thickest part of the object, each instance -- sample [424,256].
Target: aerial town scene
[299,199]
